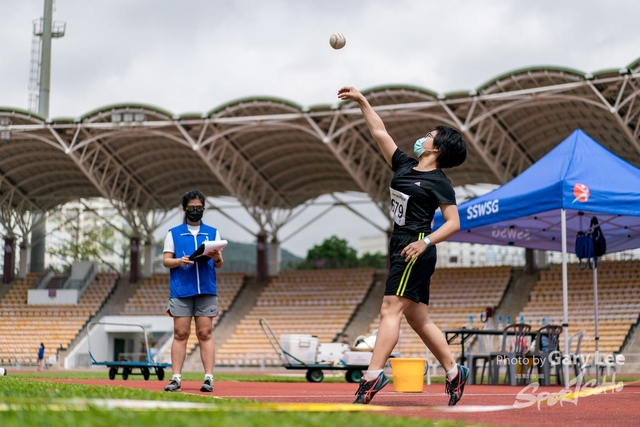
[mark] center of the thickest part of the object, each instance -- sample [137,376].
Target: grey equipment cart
[126,367]
[315,372]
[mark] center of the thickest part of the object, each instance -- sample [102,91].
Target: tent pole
[595,309]
[565,296]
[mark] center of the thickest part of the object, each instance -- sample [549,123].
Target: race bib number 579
[399,203]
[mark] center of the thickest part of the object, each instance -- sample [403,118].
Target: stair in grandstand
[51,279]
[369,309]
[57,281]
[241,305]
[631,348]
[516,296]
[122,293]
[4,288]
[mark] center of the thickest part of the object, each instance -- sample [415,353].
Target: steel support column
[262,272]
[9,259]
[134,273]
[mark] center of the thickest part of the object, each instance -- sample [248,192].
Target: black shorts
[410,279]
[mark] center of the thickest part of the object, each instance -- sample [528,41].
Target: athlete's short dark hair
[453,148]
[191,195]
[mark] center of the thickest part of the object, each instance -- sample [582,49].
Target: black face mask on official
[194,216]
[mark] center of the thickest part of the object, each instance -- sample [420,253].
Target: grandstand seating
[24,326]
[618,302]
[152,296]
[455,294]
[322,302]
[314,302]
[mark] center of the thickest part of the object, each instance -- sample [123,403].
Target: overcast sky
[192,56]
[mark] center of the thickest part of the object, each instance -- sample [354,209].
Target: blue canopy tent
[554,199]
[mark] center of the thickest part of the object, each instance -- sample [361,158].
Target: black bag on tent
[584,249]
[599,242]
[590,246]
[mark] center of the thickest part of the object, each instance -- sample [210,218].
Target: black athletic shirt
[416,195]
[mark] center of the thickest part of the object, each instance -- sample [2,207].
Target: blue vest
[198,278]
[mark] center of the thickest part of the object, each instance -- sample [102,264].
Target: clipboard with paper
[203,251]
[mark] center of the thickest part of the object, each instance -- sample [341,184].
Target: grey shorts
[198,305]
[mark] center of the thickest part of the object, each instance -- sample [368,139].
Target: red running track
[619,408]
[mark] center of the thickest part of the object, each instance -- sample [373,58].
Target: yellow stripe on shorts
[407,272]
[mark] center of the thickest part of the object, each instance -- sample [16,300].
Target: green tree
[376,260]
[82,236]
[334,249]
[332,253]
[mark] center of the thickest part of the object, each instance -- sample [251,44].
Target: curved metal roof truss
[273,156]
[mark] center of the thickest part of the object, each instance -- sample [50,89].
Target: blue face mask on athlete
[417,147]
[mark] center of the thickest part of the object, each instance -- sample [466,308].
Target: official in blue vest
[193,288]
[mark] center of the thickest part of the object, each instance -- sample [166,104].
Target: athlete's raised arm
[373,120]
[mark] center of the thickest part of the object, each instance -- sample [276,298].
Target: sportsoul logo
[482,209]
[581,192]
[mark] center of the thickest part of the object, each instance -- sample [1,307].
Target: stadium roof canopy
[272,154]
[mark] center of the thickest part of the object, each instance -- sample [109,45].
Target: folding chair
[513,347]
[546,342]
[485,347]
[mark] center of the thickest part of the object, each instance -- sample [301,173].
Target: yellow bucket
[408,374]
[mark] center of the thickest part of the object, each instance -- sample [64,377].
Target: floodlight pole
[45,60]
[39,231]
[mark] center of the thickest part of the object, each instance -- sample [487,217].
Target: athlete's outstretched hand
[351,94]
[373,120]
